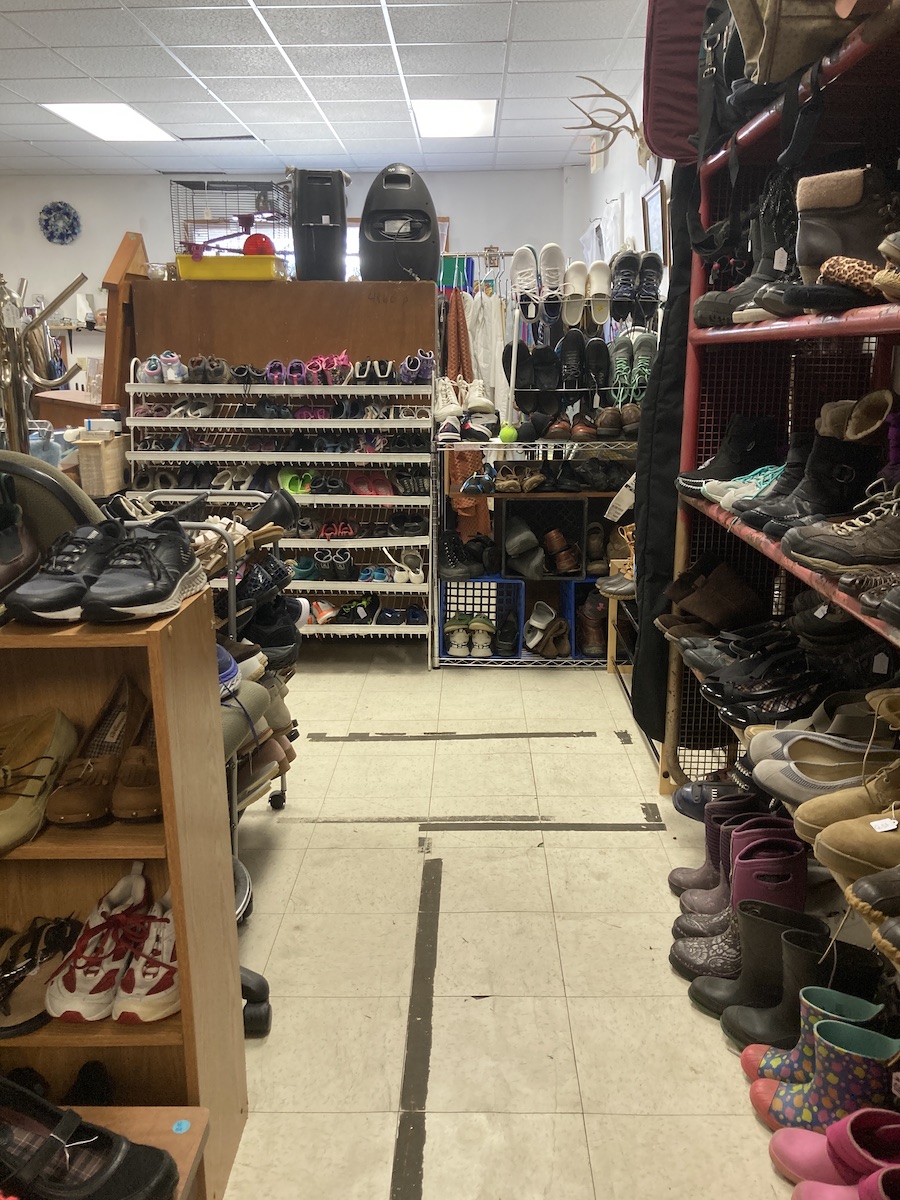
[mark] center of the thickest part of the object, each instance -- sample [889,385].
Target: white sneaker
[458,643]
[173,369]
[552,270]
[149,989]
[446,403]
[477,399]
[526,290]
[449,431]
[84,988]
[574,293]
[481,645]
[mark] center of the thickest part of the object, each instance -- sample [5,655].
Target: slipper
[542,616]
[574,293]
[241,477]
[507,480]
[389,616]
[360,484]
[381,485]
[554,642]
[598,284]
[293,483]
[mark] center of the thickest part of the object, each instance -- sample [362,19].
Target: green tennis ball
[508,433]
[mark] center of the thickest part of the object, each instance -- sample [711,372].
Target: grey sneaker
[621,358]
[863,543]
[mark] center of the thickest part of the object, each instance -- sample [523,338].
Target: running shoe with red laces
[84,988]
[149,990]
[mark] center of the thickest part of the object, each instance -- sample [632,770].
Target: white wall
[503,208]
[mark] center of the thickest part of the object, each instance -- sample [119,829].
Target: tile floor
[566,1062]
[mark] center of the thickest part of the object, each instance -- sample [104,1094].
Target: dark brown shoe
[583,428]
[631,419]
[590,633]
[568,561]
[560,430]
[554,541]
[609,423]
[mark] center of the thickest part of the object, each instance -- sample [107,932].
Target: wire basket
[494,598]
[216,217]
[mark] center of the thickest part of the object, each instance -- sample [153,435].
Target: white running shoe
[149,989]
[477,398]
[84,988]
[446,404]
[526,289]
[552,271]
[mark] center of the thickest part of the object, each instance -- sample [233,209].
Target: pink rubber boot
[861,1144]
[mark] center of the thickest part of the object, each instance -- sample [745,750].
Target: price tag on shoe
[884,824]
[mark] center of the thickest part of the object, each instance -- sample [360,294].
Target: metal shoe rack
[496,595]
[786,368]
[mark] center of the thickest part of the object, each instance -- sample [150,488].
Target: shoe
[609,423]
[626,268]
[33,753]
[446,402]
[859,1146]
[477,399]
[596,362]
[572,360]
[644,349]
[151,572]
[551,271]
[149,989]
[621,356]
[650,277]
[524,283]
[590,632]
[864,543]
[583,428]
[452,557]
[507,639]
[43,1157]
[19,554]
[173,369]
[150,371]
[547,370]
[718,308]
[84,792]
[747,444]
[457,643]
[274,628]
[598,288]
[84,988]
[74,562]
[28,960]
[574,293]
[841,213]
[137,795]
[524,366]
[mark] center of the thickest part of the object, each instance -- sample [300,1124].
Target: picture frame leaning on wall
[655,205]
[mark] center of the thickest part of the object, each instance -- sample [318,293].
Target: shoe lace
[640,372]
[137,554]
[12,778]
[525,281]
[620,387]
[762,477]
[624,279]
[865,519]
[64,553]
[551,279]
[125,930]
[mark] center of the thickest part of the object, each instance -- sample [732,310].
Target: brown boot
[590,632]
[724,600]
[840,213]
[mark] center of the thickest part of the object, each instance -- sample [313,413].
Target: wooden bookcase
[197,1056]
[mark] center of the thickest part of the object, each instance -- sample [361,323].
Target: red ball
[259,243]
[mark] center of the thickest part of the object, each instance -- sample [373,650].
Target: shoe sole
[828,567]
[30,617]
[191,583]
[891,251]
[146,1012]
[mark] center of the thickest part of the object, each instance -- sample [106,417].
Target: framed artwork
[655,204]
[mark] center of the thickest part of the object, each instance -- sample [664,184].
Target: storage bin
[101,465]
[231,266]
[490,595]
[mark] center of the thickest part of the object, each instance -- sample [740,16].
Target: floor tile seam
[265,968]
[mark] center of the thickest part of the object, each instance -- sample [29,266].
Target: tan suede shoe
[33,752]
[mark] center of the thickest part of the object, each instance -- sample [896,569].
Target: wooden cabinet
[197,1056]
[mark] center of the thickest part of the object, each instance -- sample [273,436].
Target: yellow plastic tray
[231,266]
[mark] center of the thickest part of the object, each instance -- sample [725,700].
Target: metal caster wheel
[277,800]
[257,1020]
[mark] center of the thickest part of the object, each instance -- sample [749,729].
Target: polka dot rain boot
[852,1071]
[797,1065]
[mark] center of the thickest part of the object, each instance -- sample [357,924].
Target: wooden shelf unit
[196,1057]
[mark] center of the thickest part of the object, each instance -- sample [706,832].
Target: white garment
[484,319]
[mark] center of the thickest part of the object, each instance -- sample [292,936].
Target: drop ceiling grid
[310,82]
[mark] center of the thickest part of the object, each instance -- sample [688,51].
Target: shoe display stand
[497,595]
[195,1057]
[786,368]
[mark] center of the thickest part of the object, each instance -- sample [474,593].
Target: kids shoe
[197,368]
[149,989]
[410,369]
[866,1141]
[84,988]
[150,371]
[173,369]
[275,372]
[426,365]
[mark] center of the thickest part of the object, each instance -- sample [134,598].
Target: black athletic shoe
[596,360]
[452,561]
[274,628]
[623,293]
[649,283]
[74,562]
[571,355]
[148,575]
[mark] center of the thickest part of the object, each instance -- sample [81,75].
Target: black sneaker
[148,574]
[623,293]
[649,282]
[545,364]
[596,361]
[452,562]
[274,629]
[74,562]
[571,355]
[524,366]
[747,444]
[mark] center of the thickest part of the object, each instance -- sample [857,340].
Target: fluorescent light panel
[111,122]
[455,118]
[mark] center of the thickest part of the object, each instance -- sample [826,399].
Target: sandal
[542,616]
[533,479]
[28,961]
[507,480]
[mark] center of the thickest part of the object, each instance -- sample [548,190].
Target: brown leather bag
[782,36]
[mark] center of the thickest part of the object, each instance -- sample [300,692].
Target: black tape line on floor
[653,824]
[334,738]
[409,1147]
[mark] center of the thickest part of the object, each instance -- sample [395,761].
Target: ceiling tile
[590,57]
[36,166]
[559,108]
[139,62]
[458,145]
[451,87]
[62,91]
[559,84]
[564,20]
[320,3]
[107,166]
[328,26]
[13,6]
[93,147]
[450,23]
[630,56]
[506,144]
[206,27]
[139,4]
[183,88]
[193,113]
[385,110]
[36,64]
[28,114]
[446,162]
[252,60]
[259,89]
[12,37]
[282,113]
[309,151]
[85,28]
[64,132]
[21,150]
[388,147]
[208,130]
[371,87]
[357,130]
[294,133]
[535,128]
[338,60]
[459,59]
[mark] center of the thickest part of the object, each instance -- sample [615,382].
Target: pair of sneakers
[469,635]
[538,280]
[417,368]
[162,368]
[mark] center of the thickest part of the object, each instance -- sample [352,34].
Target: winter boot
[840,213]
[717,308]
[808,959]
[798,452]
[890,472]
[772,869]
[735,834]
[719,956]
[796,1064]
[836,477]
[852,1071]
[747,444]
[759,984]
[876,897]
[852,1149]
[717,812]
[724,600]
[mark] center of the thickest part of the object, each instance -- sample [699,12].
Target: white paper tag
[821,611]
[884,824]
[780,261]
[881,664]
[895,1083]
[622,501]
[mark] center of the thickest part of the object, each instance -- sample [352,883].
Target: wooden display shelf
[869,321]
[133,635]
[117,840]
[182,1132]
[825,586]
[98,1035]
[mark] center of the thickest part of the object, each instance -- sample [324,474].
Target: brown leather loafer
[583,428]
[554,541]
[560,430]
[631,419]
[609,423]
[568,561]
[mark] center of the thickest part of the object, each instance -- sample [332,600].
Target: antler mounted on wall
[622,119]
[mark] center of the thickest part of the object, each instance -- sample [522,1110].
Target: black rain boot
[760,926]
[843,967]
[717,308]
[795,464]
[834,482]
[748,443]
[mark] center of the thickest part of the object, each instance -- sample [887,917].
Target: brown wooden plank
[118,840]
[156,1127]
[108,1033]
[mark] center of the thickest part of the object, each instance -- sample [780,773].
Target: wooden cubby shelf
[97,1035]
[118,840]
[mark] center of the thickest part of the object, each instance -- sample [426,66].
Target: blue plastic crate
[491,595]
[571,596]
